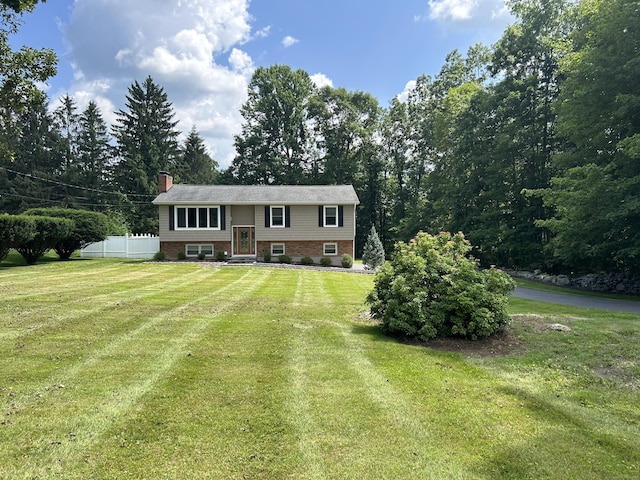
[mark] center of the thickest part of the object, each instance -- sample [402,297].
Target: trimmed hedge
[15,230]
[89,227]
[49,231]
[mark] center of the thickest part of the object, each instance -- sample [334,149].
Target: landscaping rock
[558,327]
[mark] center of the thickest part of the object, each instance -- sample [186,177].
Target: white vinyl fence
[128,246]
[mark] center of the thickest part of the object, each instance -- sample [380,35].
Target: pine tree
[147,144]
[373,254]
[195,165]
[94,155]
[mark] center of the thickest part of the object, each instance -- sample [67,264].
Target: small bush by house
[284,259]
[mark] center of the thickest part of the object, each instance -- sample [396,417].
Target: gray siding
[242,214]
[304,226]
[167,235]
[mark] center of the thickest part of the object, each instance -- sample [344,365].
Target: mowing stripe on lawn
[88,425]
[95,304]
[72,273]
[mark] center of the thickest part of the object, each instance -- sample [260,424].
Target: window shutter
[320,216]
[172,219]
[223,217]
[340,216]
[267,216]
[287,217]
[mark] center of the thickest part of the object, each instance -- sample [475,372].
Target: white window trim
[279,253]
[324,249]
[199,245]
[324,216]
[284,220]
[187,207]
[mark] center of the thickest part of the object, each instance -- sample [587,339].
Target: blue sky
[203,52]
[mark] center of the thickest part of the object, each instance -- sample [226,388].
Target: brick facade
[308,248]
[171,249]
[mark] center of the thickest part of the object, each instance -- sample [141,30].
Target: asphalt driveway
[610,304]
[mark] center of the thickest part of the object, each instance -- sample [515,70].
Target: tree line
[531,147]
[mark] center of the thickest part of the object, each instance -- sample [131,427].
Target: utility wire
[46,200]
[29,175]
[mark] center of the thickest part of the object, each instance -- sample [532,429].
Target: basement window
[195,250]
[277,249]
[330,249]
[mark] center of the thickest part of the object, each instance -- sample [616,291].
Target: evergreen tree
[373,253]
[94,157]
[26,174]
[195,165]
[147,144]
[65,119]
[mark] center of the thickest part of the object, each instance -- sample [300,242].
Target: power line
[47,200]
[35,177]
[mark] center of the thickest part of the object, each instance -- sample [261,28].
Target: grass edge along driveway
[116,369]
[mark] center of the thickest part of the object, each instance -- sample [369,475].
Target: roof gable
[259,195]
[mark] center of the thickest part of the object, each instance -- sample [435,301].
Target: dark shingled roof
[259,195]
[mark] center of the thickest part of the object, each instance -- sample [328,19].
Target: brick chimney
[165,182]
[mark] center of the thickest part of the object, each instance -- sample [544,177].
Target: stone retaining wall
[595,282]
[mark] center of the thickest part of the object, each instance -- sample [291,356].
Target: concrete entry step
[242,259]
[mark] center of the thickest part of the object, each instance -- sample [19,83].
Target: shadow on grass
[499,344]
[14,259]
[567,444]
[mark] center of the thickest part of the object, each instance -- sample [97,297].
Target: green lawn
[123,369]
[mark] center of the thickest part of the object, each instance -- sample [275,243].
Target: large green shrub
[15,230]
[49,231]
[89,227]
[432,288]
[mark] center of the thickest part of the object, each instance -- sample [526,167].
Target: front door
[243,241]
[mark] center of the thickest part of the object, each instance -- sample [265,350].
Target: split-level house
[246,221]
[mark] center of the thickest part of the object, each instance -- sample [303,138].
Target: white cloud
[288,41]
[189,47]
[263,32]
[473,13]
[408,88]
[321,80]
[452,9]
